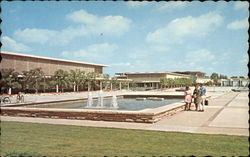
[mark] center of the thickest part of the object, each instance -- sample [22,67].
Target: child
[188,98]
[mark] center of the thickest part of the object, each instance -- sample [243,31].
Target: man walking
[203,96]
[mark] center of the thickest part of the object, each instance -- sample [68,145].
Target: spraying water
[100,99]
[114,102]
[90,100]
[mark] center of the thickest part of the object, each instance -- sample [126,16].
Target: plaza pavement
[227,113]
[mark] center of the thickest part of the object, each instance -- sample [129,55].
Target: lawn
[29,139]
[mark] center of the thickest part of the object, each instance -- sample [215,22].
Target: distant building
[199,77]
[235,82]
[23,62]
[203,80]
[149,79]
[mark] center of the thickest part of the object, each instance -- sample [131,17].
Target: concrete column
[111,86]
[88,86]
[57,89]
[100,85]
[120,85]
[9,91]
[128,85]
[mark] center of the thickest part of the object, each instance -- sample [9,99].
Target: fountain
[90,101]
[114,102]
[100,102]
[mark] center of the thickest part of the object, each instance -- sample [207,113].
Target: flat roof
[135,73]
[54,59]
[190,72]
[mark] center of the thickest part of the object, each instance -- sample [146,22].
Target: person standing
[195,96]
[203,96]
[188,98]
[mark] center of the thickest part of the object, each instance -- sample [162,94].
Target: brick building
[23,62]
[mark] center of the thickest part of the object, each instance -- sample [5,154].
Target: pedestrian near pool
[203,96]
[188,98]
[195,95]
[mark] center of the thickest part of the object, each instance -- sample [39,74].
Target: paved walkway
[226,114]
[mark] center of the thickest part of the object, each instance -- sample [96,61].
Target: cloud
[40,36]
[244,59]
[179,28]
[121,64]
[241,5]
[84,24]
[112,25]
[94,52]
[236,25]
[160,48]
[139,54]
[199,56]
[170,6]
[136,4]
[81,16]
[12,45]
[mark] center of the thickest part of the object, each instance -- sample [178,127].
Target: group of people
[198,96]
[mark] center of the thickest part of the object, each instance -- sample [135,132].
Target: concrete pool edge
[143,116]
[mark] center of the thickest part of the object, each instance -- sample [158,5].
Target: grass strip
[32,139]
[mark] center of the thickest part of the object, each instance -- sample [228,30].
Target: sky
[132,36]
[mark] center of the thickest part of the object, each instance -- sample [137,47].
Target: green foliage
[21,154]
[9,80]
[115,84]
[223,76]
[106,82]
[33,78]
[61,78]
[176,82]
[76,78]
[234,77]
[91,79]
[214,76]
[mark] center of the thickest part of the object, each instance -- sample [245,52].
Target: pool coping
[149,115]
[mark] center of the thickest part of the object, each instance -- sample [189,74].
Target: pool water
[124,104]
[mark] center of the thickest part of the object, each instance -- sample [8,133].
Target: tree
[76,78]
[61,79]
[176,82]
[106,81]
[222,76]
[114,83]
[9,80]
[35,77]
[91,80]
[214,77]
[234,77]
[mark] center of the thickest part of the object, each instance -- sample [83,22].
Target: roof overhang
[53,59]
